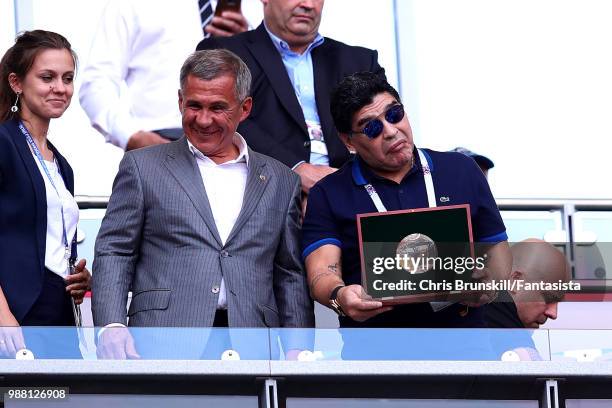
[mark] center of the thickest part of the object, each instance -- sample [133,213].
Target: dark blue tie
[206,14]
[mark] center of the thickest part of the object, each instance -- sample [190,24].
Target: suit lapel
[64,168]
[323,69]
[183,167]
[257,179]
[263,50]
[38,186]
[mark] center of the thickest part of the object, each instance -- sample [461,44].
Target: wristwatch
[333,302]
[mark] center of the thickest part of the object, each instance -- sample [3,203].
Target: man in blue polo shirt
[388,173]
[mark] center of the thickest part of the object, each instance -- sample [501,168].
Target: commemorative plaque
[417,255]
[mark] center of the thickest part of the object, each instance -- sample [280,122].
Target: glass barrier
[89,224]
[581,345]
[27,343]
[415,344]
[593,244]
[597,222]
[521,225]
[146,343]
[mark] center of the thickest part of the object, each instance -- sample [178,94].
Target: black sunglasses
[373,128]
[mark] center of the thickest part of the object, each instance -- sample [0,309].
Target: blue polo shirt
[334,202]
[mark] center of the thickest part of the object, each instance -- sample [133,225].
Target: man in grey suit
[203,231]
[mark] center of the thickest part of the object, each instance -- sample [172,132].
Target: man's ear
[516,275]
[180,101]
[246,107]
[347,141]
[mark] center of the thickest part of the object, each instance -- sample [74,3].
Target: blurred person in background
[38,212]
[483,162]
[130,78]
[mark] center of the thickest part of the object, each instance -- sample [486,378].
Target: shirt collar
[239,142]
[283,47]
[362,174]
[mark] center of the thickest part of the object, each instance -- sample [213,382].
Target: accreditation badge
[317,141]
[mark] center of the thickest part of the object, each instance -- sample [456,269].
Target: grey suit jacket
[159,240]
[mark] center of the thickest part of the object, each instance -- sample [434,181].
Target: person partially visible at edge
[38,212]
[483,162]
[129,81]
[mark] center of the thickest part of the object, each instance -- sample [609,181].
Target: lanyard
[44,166]
[431,194]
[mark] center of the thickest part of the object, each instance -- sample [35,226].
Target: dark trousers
[219,340]
[52,309]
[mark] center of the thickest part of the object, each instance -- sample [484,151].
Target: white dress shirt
[224,184]
[131,77]
[55,259]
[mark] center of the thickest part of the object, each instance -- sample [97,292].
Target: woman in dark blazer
[38,213]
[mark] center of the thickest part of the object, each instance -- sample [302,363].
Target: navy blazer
[276,126]
[23,219]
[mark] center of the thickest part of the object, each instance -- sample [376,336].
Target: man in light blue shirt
[294,70]
[299,70]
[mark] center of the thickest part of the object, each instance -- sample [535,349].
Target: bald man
[533,261]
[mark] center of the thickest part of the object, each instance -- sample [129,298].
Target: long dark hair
[20,58]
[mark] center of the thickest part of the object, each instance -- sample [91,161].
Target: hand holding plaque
[358,305]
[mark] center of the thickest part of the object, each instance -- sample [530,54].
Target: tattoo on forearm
[316,279]
[332,270]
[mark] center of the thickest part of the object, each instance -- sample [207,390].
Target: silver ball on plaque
[414,247]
